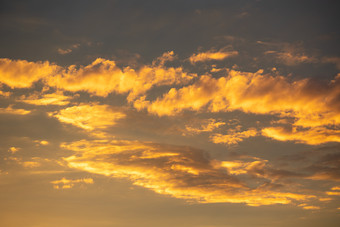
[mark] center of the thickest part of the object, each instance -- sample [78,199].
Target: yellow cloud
[233,137]
[309,207]
[312,136]
[46,99]
[311,105]
[5,93]
[22,74]
[180,172]
[207,125]
[102,77]
[68,183]
[14,149]
[10,110]
[212,55]
[89,116]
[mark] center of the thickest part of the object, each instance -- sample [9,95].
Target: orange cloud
[10,110]
[212,55]
[46,99]
[181,172]
[102,77]
[67,183]
[22,74]
[312,136]
[312,105]
[89,116]
[207,125]
[233,137]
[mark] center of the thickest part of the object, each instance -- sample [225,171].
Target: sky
[169,113]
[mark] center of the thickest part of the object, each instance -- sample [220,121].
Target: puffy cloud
[101,77]
[89,116]
[181,172]
[65,183]
[46,99]
[212,55]
[14,149]
[22,74]
[313,105]
[233,137]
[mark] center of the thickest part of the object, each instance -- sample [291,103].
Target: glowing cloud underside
[181,172]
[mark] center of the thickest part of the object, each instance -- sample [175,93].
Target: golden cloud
[312,136]
[212,55]
[89,116]
[101,77]
[181,172]
[312,105]
[233,137]
[206,125]
[47,99]
[22,74]
[69,183]
[10,110]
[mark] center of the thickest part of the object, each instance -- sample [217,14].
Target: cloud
[233,137]
[290,57]
[5,93]
[68,50]
[312,136]
[10,110]
[212,56]
[326,167]
[89,116]
[309,207]
[64,183]
[167,56]
[100,78]
[334,60]
[46,99]
[288,53]
[311,104]
[22,74]
[206,125]
[181,172]
[14,149]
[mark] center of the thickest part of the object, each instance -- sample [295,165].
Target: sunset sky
[162,113]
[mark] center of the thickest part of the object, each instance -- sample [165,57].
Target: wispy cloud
[233,137]
[65,183]
[89,116]
[57,98]
[212,55]
[10,110]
